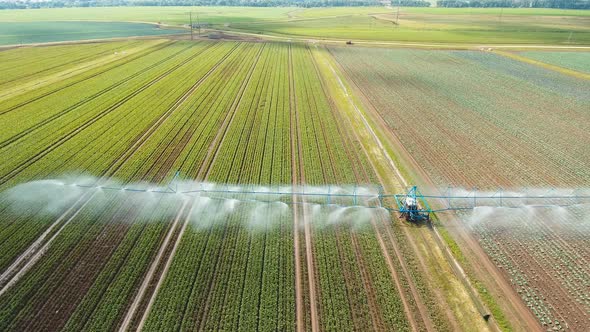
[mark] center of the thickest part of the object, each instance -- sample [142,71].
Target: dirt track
[522,312]
[304,218]
[39,247]
[148,278]
[299,313]
[414,45]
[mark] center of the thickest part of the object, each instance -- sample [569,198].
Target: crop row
[514,138]
[517,125]
[94,91]
[13,101]
[219,112]
[221,305]
[121,121]
[88,149]
[24,65]
[24,92]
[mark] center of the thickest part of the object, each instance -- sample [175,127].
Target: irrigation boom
[411,204]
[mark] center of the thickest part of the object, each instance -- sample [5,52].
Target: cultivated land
[268,116]
[578,61]
[475,119]
[228,112]
[439,25]
[411,26]
[12,33]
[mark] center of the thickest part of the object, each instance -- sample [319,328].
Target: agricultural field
[420,25]
[448,25]
[238,181]
[221,114]
[165,14]
[13,33]
[578,61]
[479,119]
[417,27]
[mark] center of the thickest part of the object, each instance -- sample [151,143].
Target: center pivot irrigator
[412,205]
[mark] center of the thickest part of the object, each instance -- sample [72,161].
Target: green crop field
[256,175]
[225,112]
[444,25]
[170,15]
[579,61]
[42,32]
[445,28]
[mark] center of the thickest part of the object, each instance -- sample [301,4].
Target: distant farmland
[579,61]
[440,25]
[474,119]
[42,32]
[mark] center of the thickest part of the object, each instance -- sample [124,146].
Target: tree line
[24,4]
[563,4]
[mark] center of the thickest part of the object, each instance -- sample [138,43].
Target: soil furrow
[294,128]
[131,311]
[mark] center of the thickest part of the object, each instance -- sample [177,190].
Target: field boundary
[450,46]
[90,41]
[559,69]
[510,300]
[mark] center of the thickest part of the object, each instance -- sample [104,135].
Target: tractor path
[299,313]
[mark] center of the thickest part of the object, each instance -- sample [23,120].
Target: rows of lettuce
[107,146]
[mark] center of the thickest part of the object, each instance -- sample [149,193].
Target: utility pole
[397,15]
[190,15]
[501,12]
[199,24]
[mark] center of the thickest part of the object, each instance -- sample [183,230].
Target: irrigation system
[412,204]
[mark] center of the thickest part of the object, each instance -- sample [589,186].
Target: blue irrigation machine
[412,205]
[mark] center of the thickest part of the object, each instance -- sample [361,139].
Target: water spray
[413,205]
